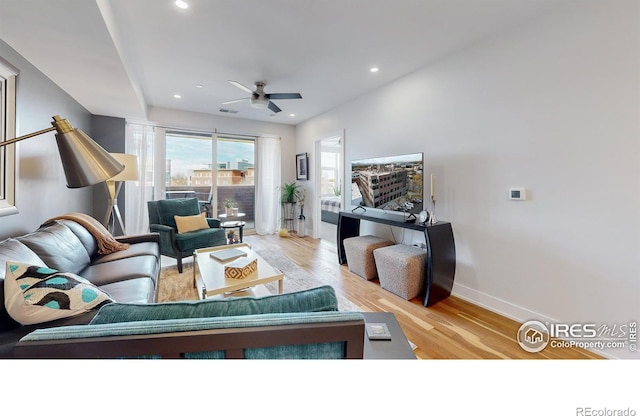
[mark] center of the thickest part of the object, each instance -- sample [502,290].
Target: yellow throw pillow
[191,223]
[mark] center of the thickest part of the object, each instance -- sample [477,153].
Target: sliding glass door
[191,172]
[235,165]
[188,166]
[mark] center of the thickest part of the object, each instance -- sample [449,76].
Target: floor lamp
[130,173]
[84,161]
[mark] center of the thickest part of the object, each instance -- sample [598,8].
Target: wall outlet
[420,245]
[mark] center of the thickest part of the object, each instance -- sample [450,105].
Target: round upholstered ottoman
[401,269]
[359,253]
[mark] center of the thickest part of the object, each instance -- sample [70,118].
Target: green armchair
[173,244]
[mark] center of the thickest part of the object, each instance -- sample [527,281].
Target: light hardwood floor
[453,328]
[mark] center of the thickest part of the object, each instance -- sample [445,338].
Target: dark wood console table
[441,251]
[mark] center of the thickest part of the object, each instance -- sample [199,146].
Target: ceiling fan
[260,99]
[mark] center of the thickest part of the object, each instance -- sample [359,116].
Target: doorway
[329,184]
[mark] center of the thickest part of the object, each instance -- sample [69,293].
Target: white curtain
[268,176]
[140,142]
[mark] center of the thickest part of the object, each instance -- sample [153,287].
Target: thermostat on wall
[517,194]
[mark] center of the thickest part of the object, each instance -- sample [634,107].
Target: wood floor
[453,328]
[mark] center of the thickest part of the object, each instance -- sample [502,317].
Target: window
[330,183]
[7,131]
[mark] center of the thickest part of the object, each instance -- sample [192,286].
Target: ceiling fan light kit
[261,100]
[259,103]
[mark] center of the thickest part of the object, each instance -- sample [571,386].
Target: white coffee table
[211,281]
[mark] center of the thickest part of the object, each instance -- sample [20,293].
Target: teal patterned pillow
[35,294]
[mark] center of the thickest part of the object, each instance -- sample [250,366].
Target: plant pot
[229,211]
[288,216]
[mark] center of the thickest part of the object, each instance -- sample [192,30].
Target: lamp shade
[84,161]
[130,172]
[260,103]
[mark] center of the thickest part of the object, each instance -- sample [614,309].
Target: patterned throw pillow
[35,294]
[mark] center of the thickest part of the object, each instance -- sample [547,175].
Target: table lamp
[84,161]
[130,173]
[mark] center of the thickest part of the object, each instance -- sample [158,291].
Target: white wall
[552,106]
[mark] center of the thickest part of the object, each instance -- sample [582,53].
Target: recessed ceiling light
[181,4]
[374,69]
[199,86]
[177,96]
[292,115]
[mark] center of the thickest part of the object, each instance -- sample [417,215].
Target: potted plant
[231,237]
[228,205]
[290,193]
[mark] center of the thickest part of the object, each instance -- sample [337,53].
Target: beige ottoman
[359,253]
[401,269]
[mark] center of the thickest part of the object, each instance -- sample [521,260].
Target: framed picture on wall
[302,167]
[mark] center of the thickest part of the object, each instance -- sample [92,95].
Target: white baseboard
[497,305]
[507,309]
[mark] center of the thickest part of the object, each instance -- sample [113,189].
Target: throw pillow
[35,294]
[191,223]
[312,300]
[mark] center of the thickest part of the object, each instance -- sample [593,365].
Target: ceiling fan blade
[235,101]
[274,107]
[242,87]
[283,96]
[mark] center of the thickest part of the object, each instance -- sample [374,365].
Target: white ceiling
[121,57]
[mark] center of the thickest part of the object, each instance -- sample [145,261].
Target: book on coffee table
[378,331]
[227,255]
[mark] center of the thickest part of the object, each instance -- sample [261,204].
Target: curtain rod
[184,129]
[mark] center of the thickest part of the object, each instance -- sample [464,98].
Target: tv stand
[441,252]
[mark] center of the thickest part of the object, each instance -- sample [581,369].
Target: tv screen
[389,183]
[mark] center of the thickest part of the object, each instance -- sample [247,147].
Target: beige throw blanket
[106,242]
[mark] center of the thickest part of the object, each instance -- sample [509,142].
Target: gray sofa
[128,276]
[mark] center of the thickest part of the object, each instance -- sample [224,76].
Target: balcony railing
[243,197]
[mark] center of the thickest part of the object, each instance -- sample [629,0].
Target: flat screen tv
[392,183]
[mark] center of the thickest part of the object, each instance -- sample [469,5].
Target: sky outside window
[189,153]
